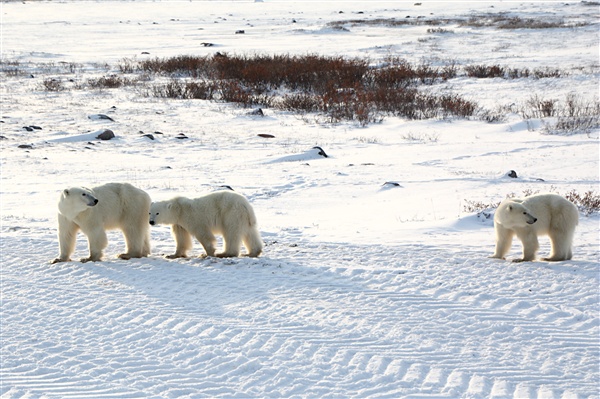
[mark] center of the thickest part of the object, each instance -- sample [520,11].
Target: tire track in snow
[284,326]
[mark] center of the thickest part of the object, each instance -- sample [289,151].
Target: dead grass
[588,202]
[572,115]
[504,21]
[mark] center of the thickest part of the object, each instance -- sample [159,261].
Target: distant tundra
[93,211]
[223,213]
[533,216]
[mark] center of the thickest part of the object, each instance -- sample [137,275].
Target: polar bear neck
[68,212]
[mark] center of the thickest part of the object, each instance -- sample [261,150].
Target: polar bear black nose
[152,223]
[95,201]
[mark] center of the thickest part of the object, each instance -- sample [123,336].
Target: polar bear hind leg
[561,246]
[530,243]
[232,242]
[253,243]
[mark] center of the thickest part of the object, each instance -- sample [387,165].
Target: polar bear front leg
[530,243]
[183,239]
[504,239]
[67,233]
[208,241]
[97,241]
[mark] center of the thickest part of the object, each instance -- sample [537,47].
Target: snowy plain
[365,289]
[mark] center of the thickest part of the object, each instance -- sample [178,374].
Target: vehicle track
[284,326]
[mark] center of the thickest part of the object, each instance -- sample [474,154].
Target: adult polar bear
[93,211]
[530,217]
[223,212]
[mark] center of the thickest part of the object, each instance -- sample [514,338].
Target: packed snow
[375,280]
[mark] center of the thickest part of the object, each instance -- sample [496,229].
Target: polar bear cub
[93,211]
[533,216]
[224,213]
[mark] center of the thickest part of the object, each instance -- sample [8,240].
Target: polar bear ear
[169,206]
[66,192]
[510,208]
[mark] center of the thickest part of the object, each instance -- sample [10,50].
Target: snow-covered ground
[365,289]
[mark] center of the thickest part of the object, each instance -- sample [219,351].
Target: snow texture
[374,282]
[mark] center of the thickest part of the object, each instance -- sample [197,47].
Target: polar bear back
[213,211]
[117,203]
[552,211]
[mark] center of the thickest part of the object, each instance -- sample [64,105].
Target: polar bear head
[75,200]
[161,213]
[511,214]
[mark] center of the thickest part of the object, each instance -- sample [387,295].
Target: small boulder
[106,134]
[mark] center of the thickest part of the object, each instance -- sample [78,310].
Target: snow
[365,289]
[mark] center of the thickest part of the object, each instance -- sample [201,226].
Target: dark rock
[181,136]
[321,152]
[107,134]
[26,146]
[151,137]
[512,174]
[28,128]
[266,136]
[98,117]
[257,112]
[240,32]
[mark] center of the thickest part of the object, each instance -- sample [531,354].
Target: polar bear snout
[91,200]
[152,223]
[530,219]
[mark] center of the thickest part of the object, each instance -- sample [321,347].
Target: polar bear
[93,211]
[533,216]
[224,213]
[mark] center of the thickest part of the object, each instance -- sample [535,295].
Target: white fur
[107,207]
[533,216]
[224,213]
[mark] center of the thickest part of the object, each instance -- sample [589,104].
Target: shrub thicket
[338,87]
